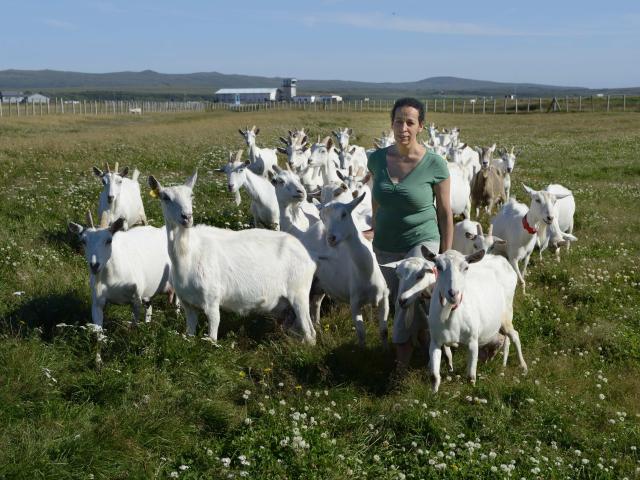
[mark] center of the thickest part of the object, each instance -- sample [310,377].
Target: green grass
[260,402]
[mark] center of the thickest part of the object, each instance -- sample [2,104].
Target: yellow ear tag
[153,193]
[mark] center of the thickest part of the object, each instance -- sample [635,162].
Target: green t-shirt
[406,215]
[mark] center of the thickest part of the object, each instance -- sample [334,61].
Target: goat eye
[420,276]
[109,241]
[344,215]
[538,200]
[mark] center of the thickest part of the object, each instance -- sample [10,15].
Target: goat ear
[350,131]
[492,148]
[568,236]
[191,181]
[276,169]
[305,148]
[355,202]
[475,257]
[334,133]
[117,225]
[427,254]
[97,172]
[257,131]
[392,264]
[478,149]
[246,163]
[479,229]
[352,150]
[329,143]
[241,132]
[340,175]
[366,178]
[124,172]
[284,140]
[154,184]
[530,191]
[304,140]
[75,228]
[282,150]
[560,196]
[271,176]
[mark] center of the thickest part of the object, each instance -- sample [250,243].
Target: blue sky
[587,43]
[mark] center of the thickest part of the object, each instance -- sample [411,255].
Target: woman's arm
[444,214]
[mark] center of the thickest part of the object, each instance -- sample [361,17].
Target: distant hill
[204,84]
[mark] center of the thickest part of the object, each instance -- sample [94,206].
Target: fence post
[464,105]
[453,105]
[540,104]
[505,104]
[484,104]
[426,105]
[516,104]
[608,96]
[624,103]
[494,105]
[0,109]
[566,101]
[592,107]
[528,104]
[579,103]
[473,107]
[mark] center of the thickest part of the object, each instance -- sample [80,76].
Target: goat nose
[94,266]
[452,293]
[187,216]
[110,198]
[299,191]
[402,302]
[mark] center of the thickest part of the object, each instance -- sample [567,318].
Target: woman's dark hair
[409,102]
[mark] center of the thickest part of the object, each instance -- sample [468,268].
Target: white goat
[297,151]
[519,226]
[386,139]
[564,210]
[352,273]
[296,214]
[324,157]
[264,203]
[471,303]
[506,163]
[126,269]
[468,238]
[238,271]
[486,155]
[120,196]
[460,190]
[353,157]
[343,135]
[262,159]
[466,156]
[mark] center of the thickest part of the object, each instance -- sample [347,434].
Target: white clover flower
[226,461]
[248,421]
[174,474]
[441,466]
[209,452]
[494,468]
[376,458]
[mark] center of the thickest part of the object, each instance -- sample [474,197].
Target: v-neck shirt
[406,215]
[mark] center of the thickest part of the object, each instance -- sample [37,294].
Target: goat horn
[115,168]
[90,219]
[108,168]
[239,155]
[104,220]
[490,229]
[512,149]
[287,166]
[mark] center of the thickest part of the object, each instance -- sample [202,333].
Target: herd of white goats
[313,213]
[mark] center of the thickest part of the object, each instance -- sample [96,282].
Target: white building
[305,99]
[247,95]
[37,98]
[12,97]
[329,98]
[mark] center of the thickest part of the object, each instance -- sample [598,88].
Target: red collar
[528,227]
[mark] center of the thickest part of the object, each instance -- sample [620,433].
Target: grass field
[262,405]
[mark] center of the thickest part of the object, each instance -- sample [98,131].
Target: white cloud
[379,21]
[58,24]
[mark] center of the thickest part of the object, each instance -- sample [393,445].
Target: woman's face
[406,125]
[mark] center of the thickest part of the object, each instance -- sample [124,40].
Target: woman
[406,177]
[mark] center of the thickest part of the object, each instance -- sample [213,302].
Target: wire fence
[473,106]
